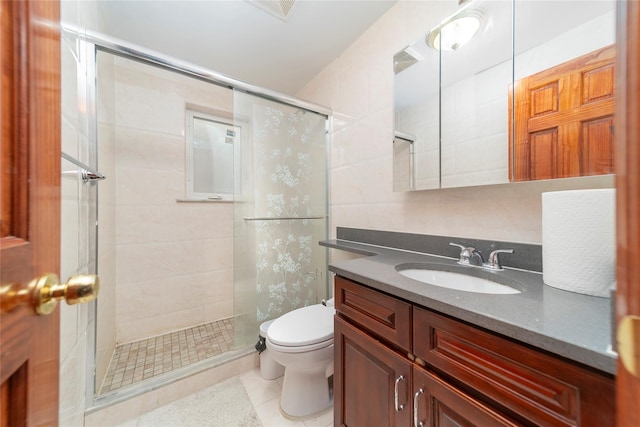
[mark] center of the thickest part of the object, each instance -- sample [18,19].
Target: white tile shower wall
[174,260]
[77,250]
[358,86]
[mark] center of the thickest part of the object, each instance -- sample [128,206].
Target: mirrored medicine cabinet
[524,93]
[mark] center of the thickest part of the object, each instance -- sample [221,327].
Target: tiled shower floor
[140,360]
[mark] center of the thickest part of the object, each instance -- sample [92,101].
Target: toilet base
[305,394]
[269,368]
[308,417]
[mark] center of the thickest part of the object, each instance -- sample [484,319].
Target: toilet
[269,368]
[302,342]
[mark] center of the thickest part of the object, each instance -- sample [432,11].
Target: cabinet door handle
[416,401]
[395,389]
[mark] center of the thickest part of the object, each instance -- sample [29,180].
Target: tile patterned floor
[265,398]
[139,360]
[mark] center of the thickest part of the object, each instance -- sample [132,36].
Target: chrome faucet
[468,254]
[494,262]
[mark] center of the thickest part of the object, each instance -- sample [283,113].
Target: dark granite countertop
[571,325]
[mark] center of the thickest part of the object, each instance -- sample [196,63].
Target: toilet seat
[298,349]
[303,329]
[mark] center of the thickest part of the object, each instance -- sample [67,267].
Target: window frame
[191,195]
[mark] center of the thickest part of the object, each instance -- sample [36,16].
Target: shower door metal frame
[129,50]
[96,42]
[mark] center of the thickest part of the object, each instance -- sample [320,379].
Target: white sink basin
[457,281]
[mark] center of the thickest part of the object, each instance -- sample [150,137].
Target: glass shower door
[280,211]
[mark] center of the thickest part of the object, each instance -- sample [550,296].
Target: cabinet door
[372,383]
[441,405]
[539,387]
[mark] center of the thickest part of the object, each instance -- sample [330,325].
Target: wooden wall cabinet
[398,364]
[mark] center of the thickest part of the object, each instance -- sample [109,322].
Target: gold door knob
[44,292]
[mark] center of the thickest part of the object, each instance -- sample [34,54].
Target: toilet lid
[304,326]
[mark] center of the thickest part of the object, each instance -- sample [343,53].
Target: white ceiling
[244,42]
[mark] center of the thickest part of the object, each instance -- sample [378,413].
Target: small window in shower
[210,151]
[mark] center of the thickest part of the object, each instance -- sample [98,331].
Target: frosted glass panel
[280,213]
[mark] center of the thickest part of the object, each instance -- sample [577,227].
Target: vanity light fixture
[455,32]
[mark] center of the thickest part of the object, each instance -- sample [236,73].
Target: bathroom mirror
[455,109]
[416,143]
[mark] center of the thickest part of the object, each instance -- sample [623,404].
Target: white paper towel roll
[578,240]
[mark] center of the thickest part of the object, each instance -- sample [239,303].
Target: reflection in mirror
[458,104]
[417,112]
[403,162]
[564,90]
[474,100]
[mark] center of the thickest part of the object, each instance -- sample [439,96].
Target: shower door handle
[89,176]
[43,293]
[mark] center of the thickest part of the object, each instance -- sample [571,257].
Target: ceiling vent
[278,8]
[405,58]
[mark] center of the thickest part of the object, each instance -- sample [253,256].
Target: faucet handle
[466,254]
[494,261]
[462,247]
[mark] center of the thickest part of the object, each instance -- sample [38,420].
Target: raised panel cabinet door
[30,200]
[532,385]
[564,119]
[372,383]
[438,404]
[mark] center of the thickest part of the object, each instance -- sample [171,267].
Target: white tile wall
[72,318]
[174,260]
[77,225]
[358,88]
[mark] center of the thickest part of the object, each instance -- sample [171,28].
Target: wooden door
[442,405]
[370,382]
[30,222]
[628,203]
[564,119]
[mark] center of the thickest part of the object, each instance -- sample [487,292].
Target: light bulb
[456,32]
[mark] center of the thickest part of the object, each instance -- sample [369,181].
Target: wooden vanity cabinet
[376,386]
[370,374]
[535,386]
[449,373]
[442,405]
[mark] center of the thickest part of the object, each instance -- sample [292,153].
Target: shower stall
[208,220]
